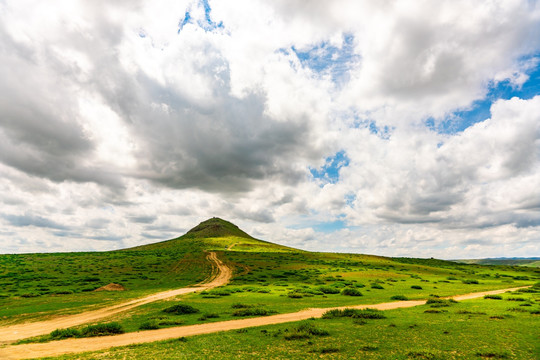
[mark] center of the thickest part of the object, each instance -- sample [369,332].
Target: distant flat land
[530,262]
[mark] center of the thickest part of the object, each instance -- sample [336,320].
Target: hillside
[216,234]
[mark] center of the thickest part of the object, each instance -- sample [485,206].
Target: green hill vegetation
[269,279]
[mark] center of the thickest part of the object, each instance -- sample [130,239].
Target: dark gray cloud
[143,219]
[33,220]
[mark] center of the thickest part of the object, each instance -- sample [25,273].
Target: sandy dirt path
[67,346]
[221,275]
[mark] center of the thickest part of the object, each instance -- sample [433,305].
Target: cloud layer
[332,126]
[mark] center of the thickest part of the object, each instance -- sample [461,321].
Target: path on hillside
[221,275]
[56,348]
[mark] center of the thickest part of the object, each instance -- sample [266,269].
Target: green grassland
[488,328]
[267,279]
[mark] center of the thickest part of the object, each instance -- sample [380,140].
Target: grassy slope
[34,286]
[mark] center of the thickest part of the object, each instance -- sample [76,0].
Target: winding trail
[56,348]
[221,275]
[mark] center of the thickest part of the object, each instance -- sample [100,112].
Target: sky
[396,128]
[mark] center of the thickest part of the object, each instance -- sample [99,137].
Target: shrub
[181,309]
[252,312]
[354,313]
[294,295]
[149,325]
[64,334]
[208,316]
[492,355]
[376,286]
[328,290]
[29,295]
[351,292]
[170,322]
[469,281]
[102,329]
[493,297]
[241,306]
[516,299]
[417,287]
[304,331]
[399,297]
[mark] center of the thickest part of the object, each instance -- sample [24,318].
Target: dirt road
[56,348]
[221,275]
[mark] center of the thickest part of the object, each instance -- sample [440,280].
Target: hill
[216,227]
[216,234]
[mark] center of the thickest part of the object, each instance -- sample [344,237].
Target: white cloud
[130,113]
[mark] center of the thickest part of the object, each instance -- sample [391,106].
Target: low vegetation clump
[328,290]
[252,312]
[470,281]
[399,297]
[376,286]
[436,302]
[64,334]
[149,325]
[492,355]
[102,329]
[351,292]
[207,316]
[493,297]
[416,287]
[181,309]
[305,330]
[354,313]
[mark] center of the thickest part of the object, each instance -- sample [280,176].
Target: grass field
[270,279]
[473,329]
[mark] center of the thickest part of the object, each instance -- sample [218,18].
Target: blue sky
[333,126]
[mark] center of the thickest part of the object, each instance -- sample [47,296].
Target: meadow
[271,279]
[488,328]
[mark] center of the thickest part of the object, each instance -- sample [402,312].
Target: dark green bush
[64,334]
[417,287]
[208,316]
[252,312]
[102,329]
[294,295]
[181,309]
[470,281]
[399,297]
[304,331]
[241,306]
[493,297]
[354,313]
[149,325]
[350,292]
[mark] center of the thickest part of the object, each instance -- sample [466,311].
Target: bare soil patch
[111,287]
